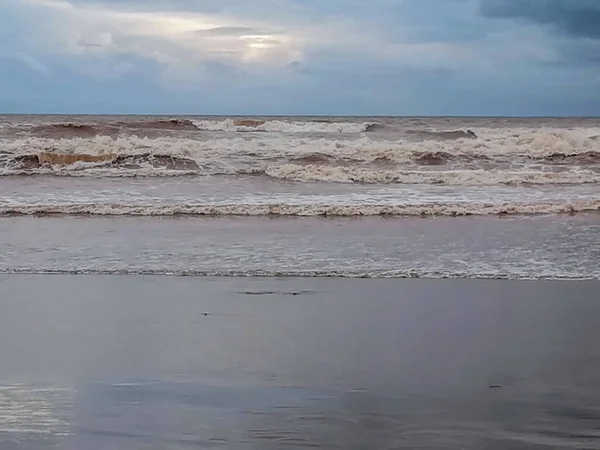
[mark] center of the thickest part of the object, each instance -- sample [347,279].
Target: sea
[187,282]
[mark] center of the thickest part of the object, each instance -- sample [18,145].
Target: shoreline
[293,279]
[197,216]
[282,276]
[544,247]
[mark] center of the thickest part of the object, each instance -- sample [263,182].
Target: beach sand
[139,362]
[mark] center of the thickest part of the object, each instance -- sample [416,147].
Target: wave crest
[309,168]
[280,126]
[478,177]
[442,135]
[532,158]
[82,161]
[326,273]
[303,210]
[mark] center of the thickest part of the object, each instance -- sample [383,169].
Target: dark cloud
[579,18]
[580,53]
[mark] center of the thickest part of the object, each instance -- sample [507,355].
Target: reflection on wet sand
[158,362]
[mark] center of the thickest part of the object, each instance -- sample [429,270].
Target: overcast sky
[347,57]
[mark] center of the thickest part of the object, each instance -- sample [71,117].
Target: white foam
[278,126]
[300,209]
[467,272]
[494,144]
[499,156]
[451,177]
[311,173]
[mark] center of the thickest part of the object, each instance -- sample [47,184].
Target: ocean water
[372,197]
[272,283]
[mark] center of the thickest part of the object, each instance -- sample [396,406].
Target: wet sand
[136,362]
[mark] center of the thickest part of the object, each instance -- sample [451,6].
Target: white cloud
[167,37]
[33,63]
[189,38]
[289,56]
[29,61]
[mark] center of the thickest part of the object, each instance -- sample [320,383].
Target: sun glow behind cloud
[301,56]
[167,37]
[188,37]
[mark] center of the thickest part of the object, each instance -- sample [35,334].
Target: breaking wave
[67,130]
[280,126]
[163,124]
[515,157]
[133,127]
[477,177]
[302,210]
[442,135]
[583,158]
[542,145]
[147,165]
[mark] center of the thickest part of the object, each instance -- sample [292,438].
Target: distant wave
[372,127]
[282,126]
[166,124]
[86,129]
[66,130]
[71,126]
[442,135]
[69,129]
[474,273]
[307,210]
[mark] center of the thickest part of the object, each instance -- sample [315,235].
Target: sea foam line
[328,174]
[327,273]
[302,210]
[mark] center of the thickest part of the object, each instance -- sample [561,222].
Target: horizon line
[399,116]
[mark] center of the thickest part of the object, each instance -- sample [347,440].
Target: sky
[301,57]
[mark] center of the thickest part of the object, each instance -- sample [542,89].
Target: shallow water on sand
[147,363]
[557,247]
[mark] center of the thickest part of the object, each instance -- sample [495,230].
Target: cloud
[29,61]
[301,56]
[576,17]
[568,29]
[236,31]
[173,36]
